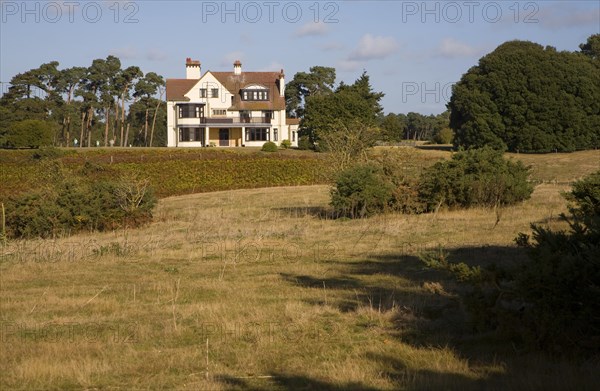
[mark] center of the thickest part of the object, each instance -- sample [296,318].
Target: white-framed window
[190,111]
[257,134]
[191,134]
[293,136]
[203,93]
[219,112]
[275,134]
[214,93]
[255,94]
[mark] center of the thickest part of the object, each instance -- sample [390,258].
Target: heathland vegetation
[400,268]
[261,289]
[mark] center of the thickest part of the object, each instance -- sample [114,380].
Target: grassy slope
[278,291]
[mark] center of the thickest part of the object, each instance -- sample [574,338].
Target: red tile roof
[234,83]
[177,88]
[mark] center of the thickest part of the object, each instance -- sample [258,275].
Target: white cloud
[312,28]
[373,47]
[452,48]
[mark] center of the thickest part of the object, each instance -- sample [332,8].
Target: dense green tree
[148,114]
[393,127]
[346,106]
[317,82]
[592,47]
[86,103]
[29,133]
[524,97]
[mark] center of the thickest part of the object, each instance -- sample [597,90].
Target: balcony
[236,121]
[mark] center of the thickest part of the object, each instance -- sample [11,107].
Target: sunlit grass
[285,297]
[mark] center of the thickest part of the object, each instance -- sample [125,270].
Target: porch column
[206,133]
[243,135]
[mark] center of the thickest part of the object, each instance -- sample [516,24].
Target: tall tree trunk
[146,129]
[88,125]
[106,125]
[83,124]
[123,112]
[115,124]
[127,135]
[63,131]
[68,129]
[154,120]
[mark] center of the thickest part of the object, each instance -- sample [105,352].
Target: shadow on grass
[280,381]
[434,147]
[427,303]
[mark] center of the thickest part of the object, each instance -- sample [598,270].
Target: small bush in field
[304,143]
[286,144]
[75,205]
[476,177]
[269,146]
[444,136]
[361,191]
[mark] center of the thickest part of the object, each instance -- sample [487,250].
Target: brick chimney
[192,69]
[237,67]
[282,84]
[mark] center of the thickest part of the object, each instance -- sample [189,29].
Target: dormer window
[255,93]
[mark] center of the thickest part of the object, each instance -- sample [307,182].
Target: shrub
[47,153]
[304,143]
[400,170]
[476,177]
[75,205]
[561,282]
[550,301]
[361,191]
[29,134]
[285,144]
[444,136]
[269,146]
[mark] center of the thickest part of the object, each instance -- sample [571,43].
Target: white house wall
[222,102]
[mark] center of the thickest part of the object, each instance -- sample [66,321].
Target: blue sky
[413,50]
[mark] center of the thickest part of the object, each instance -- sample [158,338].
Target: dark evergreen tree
[524,97]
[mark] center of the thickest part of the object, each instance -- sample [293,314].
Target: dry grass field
[259,289]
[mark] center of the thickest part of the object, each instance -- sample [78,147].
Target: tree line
[103,104]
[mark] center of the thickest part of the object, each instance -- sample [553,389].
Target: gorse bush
[28,133]
[561,282]
[550,301]
[389,183]
[269,146]
[476,177]
[304,143]
[286,144]
[361,191]
[74,205]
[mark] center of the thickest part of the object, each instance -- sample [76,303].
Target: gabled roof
[234,83]
[177,88]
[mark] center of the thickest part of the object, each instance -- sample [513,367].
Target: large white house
[227,109]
